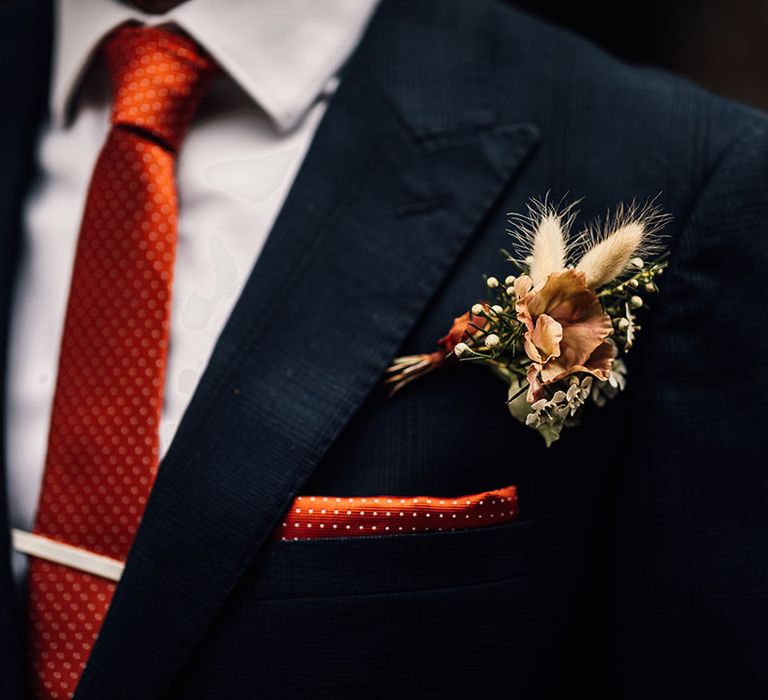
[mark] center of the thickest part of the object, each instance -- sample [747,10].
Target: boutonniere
[557,330]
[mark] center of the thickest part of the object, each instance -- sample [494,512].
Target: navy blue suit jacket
[639,565]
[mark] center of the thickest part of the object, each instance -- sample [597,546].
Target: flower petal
[562,296]
[522,286]
[579,342]
[535,387]
[546,336]
[531,350]
[598,364]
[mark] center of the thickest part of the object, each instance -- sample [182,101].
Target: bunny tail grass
[541,237]
[549,252]
[631,232]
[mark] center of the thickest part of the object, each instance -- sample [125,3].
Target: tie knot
[159,77]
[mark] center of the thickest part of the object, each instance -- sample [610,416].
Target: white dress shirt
[235,167]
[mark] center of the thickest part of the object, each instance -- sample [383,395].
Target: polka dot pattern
[103,449]
[332,516]
[159,78]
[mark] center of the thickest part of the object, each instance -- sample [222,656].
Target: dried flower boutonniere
[556,331]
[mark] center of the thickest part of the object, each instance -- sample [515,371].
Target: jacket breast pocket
[439,614]
[384,563]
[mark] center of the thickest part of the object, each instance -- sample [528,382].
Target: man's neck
[154,7]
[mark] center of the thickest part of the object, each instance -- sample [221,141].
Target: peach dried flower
[566,329]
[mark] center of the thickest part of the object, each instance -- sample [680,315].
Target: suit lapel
[389,193]
[25,40]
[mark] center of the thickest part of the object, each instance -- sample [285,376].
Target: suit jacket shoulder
[616,110]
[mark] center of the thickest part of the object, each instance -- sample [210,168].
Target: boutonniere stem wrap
[557,329]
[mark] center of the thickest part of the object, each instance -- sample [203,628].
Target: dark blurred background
[720,44]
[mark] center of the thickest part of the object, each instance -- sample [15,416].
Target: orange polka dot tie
[103,449]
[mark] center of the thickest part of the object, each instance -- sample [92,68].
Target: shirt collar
[283,53]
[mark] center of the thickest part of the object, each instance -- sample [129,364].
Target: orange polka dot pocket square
[345,516]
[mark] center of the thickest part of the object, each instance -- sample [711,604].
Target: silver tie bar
[67,555]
